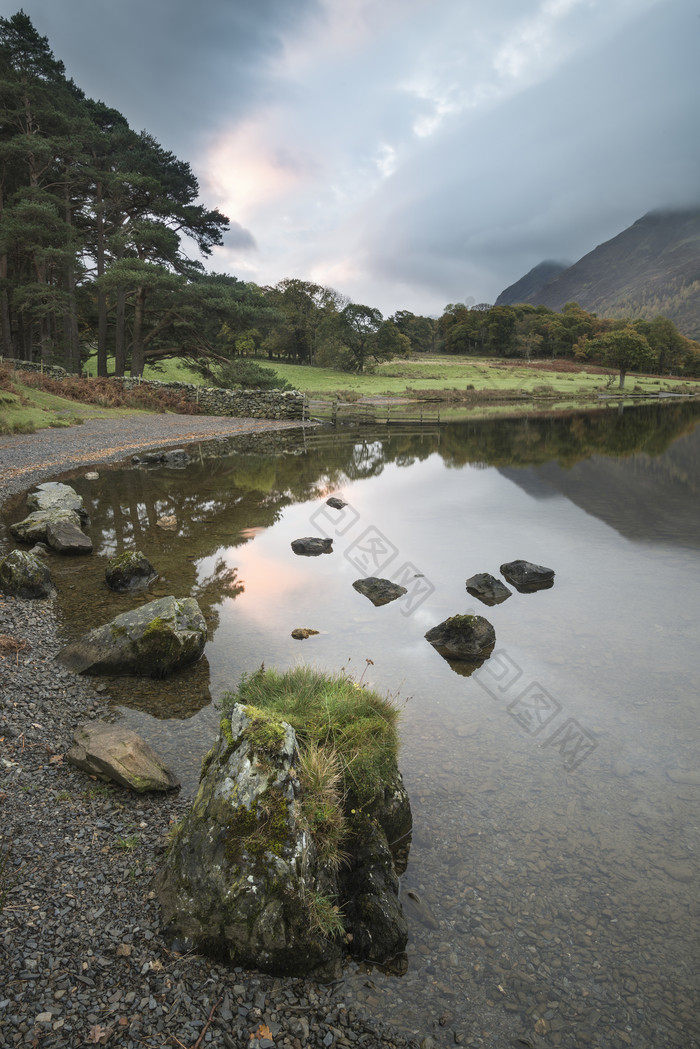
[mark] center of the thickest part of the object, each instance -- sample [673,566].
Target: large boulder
[22,574]
[241,879]
[379,591]
[53,495]
[488,589]
[312,546]
[245,880]
[33,528]
[153,640]
[468,638]
[129,571]
[112,752]
[527,577]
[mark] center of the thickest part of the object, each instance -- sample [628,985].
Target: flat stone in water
[312,546]
[527,577]
[379,591]
[488,589]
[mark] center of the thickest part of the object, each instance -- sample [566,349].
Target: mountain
[650,268]
[532,283]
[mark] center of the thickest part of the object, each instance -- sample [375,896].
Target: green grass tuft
[332,712]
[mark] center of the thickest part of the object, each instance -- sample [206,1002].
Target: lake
[553,886]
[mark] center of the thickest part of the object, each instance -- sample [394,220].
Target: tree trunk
[137,356]
[101,296]
[70,317]
[622,377]
[120,334]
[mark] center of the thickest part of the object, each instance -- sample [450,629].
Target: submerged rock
[116,753]
[488,589]
[311,546]
[379,591]
[177,457]
[152,641]
[468,638]
[527,577]
[130,571]
[53,495]
[301,633]
[22,574]
[167,521]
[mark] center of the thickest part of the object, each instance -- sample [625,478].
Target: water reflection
[559,896]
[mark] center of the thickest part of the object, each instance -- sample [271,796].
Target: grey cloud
[240,238]
[554,172]
[177,69]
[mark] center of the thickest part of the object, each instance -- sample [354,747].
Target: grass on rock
[355,727]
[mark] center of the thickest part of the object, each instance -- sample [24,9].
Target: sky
[409,153]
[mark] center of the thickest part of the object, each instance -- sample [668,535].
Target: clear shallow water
[553,880]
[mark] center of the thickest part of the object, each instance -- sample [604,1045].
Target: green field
[430,375]
[476,383]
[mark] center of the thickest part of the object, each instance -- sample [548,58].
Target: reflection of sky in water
[612,647]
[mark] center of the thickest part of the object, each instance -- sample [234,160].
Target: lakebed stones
[153,640]
[527,577]
[22,574]
[488,589]
[312,546]
[464,638]
[379,591]
[130,571]
[115,753]
[243,878]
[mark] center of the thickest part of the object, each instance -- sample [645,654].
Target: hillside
[650,268]
[532,283]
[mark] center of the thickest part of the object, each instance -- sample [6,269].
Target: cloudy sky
[409,153]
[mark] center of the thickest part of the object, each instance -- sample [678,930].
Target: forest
[102,237]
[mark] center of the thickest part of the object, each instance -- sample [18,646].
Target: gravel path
[25,459]
[81,958]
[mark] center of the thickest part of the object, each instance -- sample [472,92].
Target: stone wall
[247,404]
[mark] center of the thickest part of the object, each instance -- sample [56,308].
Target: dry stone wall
[248,404]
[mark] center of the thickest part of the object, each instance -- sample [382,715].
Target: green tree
[624,349]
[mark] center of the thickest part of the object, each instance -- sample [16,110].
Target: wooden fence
[369,413]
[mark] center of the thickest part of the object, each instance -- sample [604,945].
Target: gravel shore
[81,957]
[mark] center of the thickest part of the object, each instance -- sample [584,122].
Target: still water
[552,886]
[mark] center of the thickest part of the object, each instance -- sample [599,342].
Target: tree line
[98,228]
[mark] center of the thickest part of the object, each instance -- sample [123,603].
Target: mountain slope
[650,268]
[532,283]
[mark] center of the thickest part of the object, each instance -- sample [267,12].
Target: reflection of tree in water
[221,501]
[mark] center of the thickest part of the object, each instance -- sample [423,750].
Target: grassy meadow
[491,385]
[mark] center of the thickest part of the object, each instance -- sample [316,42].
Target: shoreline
[80,944]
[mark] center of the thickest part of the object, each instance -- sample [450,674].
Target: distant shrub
[249,375]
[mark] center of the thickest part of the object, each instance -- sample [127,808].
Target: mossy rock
[240,877]
[22,574]
[129,571]
[154,640]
